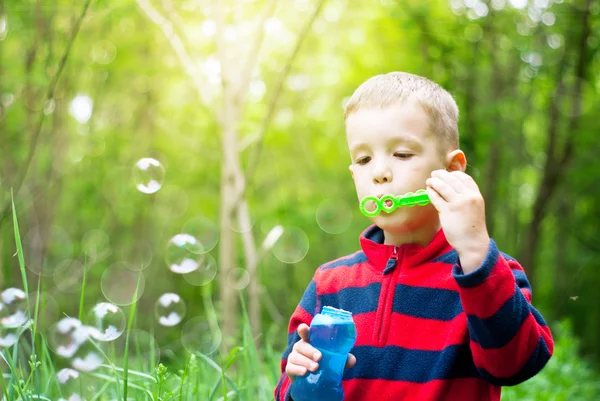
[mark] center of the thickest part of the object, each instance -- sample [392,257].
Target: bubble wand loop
[409,199]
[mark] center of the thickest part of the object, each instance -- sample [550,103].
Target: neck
[421,235]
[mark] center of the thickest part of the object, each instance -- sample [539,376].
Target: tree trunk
[556,164]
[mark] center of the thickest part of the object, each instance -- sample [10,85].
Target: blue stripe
[354,299]
[427,303]
[538,316]
[498,329]
[478,276]
[507,257]
[278,389]
[397,363]
[360,257]
[309,299]
[292,339]
[521,279]
[535,363]
[450,257]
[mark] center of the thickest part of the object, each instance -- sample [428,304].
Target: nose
[382,173]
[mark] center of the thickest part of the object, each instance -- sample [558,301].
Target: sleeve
[509,339]
[304,313]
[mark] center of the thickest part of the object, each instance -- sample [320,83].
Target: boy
[440,313]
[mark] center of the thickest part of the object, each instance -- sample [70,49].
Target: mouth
[388,202]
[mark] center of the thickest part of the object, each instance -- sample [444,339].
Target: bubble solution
[333,333]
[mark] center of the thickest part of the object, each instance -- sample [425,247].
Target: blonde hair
[386,89]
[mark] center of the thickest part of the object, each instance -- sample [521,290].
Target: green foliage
[566,377]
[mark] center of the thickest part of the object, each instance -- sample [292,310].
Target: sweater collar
[378,254]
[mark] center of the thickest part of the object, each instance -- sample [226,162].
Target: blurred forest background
[201,145]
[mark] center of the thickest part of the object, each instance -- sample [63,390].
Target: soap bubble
[45,248]
[96,245]
[198,337]
[292,246]
[107,321]
[69,383]
[137,256]
[87,357]
[65,336]
[118,284]
[184,254]
[68,276]
[205,273]
[14,309]
[334,216]
[204,230]
[8,335]
[169,309]
[238,278]
[148,175]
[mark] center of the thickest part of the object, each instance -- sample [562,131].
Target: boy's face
[393,151]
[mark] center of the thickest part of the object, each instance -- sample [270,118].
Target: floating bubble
[205,273]
[45,248]
[137,256]
[204,230]
[238,278]
[292,246]
[69,383]
[87,357]
[65,336]
[184,254]
[14,311]
[242,226]
[96,245]
[169,309]
[199,337]
[143,353]
[8,335]
[148,175]
[107,321]
[68,276]
[334,217]
[118,284]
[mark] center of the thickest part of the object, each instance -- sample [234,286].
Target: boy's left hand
[457,198]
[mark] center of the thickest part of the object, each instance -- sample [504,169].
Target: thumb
[304,332]
[351,361]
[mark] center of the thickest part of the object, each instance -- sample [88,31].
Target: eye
[363,160]
[403,156]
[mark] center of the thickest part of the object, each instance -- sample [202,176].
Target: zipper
[390,279]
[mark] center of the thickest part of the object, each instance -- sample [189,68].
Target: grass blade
[129,325]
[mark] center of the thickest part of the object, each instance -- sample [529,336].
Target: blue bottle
[333,333]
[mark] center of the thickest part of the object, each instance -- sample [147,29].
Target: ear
[456,161]
[351,168]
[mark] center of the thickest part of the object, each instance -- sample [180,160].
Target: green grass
[243,373]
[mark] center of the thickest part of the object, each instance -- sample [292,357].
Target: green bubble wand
[417,198]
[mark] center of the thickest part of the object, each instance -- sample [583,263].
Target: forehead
[398,121]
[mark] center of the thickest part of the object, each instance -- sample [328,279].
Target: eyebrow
[395,140]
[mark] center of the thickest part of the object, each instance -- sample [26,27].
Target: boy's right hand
[304,357]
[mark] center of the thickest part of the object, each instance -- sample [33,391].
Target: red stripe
[434,275]
[299,316]
[464,389]
[331,281]
[506,361]
[413,332]
[485,299]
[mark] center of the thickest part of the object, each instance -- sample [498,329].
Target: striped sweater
[425,330]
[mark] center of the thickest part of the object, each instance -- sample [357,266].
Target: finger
[294,370]
[304,332]
[452,179]
[351,361]
[438,202]
[467,180]
[307,350]
[301,360]
[442,188]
